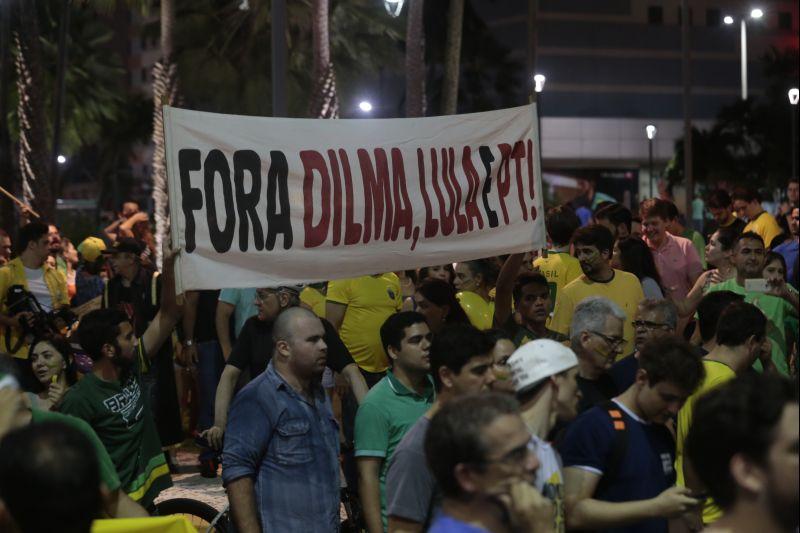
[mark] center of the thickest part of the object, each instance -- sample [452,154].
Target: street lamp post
[755,14]
[538,87]
[650,130]
[794,96]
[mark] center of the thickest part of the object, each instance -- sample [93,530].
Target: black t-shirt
[595,391]
[253,349]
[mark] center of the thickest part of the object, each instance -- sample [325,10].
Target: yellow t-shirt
[559,268]
[716,374]
[624,289]
[766,226]
[314,299]
[370,300]
[479,311]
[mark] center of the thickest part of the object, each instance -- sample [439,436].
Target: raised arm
[169,312]
[503,291]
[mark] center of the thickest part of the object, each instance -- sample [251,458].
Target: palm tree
[324,102]
[165,92]
[455,22]
[415,60]
[34,164]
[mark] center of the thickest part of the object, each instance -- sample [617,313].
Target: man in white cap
[545,380]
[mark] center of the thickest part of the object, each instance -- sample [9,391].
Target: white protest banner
[260,202]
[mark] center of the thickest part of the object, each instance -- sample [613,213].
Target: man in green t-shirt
[393,405]
[16,412]
[777,305]
[111,398]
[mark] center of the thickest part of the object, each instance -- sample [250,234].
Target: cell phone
[756,285]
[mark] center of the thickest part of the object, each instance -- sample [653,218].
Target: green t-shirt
[387,413]
[521,335]
[108,474]
[119,413]
[699,243]
[780,313]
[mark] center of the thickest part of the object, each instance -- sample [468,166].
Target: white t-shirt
[38,287]
[549,480]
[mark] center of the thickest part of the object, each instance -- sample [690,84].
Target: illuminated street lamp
[393,7]
[755,14]
[538,82]
[365,106]
[650,130]
[61,159]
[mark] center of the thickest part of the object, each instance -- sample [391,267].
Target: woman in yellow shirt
[474,281]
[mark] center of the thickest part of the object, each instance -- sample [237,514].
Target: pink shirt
[678,265]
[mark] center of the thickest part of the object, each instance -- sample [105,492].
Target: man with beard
[779,305]
[743,446]
[618,457]
[111,398]
[282,442]
[593,248]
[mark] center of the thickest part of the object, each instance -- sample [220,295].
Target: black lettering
[191,197]
[216,163]
[277,185]
[487,158]
[246,202]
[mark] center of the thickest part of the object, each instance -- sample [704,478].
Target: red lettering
[352,229]
[445,216]
[504,185]
[517,154]
[377,193]
[314,162]
[474,180]
[337,198]
[431,224]
[461,219]
[403,212]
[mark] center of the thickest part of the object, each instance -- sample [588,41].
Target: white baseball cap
[537,360]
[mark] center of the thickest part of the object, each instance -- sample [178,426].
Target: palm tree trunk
[455,21]
[7,210]
[165,92]
[324,102]
[33,153]
[415,60]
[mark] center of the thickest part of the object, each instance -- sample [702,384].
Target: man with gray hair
[596,337]
[654,319]
[280,457]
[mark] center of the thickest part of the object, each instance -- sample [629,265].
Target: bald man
[282,443]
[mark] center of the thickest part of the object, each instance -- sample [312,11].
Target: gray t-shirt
[411,491]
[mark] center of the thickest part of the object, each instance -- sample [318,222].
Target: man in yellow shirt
[593,248]
[559,267]
[30,272]
[741,336]
[357,308]
[747,203]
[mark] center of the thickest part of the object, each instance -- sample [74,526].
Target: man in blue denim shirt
[280,460]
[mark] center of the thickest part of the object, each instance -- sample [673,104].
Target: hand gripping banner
[260,202]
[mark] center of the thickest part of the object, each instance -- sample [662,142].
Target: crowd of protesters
[638,375]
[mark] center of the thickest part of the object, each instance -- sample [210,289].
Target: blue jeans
[209,369]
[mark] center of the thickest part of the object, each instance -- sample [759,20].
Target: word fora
[387,206]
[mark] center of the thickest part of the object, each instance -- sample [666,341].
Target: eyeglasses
[613,342]
[262,295]
[646,324]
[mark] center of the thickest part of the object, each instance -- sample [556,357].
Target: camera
[19,300]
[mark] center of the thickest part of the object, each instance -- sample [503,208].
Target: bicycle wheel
[201,515]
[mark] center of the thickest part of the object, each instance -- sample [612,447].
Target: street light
[755,14]
[61,159]
[794,96]
[538,82]
[365,106]
[393,7]
[650,130]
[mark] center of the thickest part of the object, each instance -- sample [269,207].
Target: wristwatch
[188,342]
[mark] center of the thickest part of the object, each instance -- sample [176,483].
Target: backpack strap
[620,445]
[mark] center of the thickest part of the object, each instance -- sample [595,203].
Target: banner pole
[19,202]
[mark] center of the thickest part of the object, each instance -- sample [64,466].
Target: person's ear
[585,337]
[446,376]
[108,350]
[465,478]
[391,351]
[747,475]
[642,379]
[282,347]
